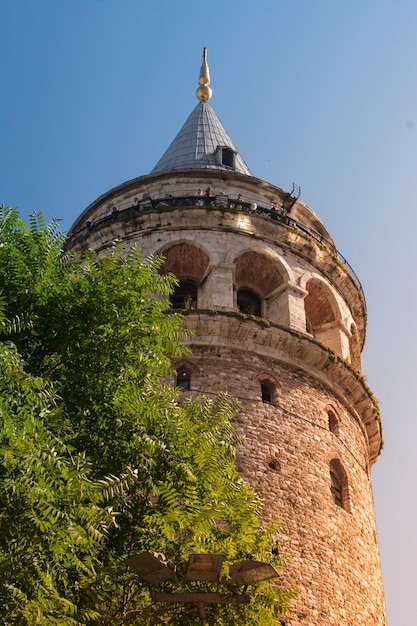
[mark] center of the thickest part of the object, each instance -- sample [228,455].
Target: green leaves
[98,460]
[50,521]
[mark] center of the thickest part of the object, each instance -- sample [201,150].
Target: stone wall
[286,457]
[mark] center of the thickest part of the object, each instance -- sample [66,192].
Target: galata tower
[279,319]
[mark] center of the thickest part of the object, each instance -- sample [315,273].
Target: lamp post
[155,568]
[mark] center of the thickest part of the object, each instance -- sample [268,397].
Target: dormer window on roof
[225,156]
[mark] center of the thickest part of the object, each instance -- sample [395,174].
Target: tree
[99,458]
[52,519]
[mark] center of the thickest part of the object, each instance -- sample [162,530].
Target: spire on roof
[202,143]
[204,92]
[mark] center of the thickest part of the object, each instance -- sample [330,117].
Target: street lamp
[249,572]
[204,567]
[155,568]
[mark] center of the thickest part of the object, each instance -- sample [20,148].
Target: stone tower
[279,319]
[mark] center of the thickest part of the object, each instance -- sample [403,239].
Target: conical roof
[202,142]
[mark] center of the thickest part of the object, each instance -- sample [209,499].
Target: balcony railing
[215,202]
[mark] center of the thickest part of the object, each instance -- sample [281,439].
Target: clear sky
[322,93]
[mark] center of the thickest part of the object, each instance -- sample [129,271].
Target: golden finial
[204,92]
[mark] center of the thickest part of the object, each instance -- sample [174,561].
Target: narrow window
[249,303]
[339,488]
[183,380]
[228,157]
[336,488]
[333,422]
[266,392]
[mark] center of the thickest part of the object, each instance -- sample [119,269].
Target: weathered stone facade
[311,425]
[286,457]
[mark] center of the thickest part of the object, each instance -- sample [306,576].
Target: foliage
[53,516]
[99,460]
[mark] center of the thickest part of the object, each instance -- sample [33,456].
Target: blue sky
[322,93]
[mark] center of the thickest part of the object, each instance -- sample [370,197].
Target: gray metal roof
[199,145]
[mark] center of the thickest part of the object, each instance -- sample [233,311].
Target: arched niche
[189,263]
[319,304]
[185,260]
[258,271]
[323,317]
[258,277]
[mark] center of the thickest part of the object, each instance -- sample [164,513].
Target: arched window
[183,380]
[323,315]
[249,303]
[266,391]
[333,422]
[184,295]
[339,489]
[336,488]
